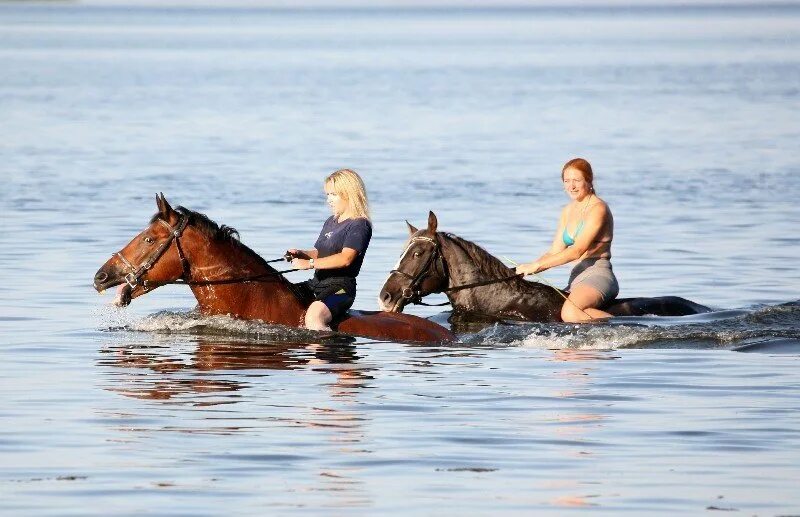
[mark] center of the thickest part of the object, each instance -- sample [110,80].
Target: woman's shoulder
[359,222]
[599,205]
[329,222]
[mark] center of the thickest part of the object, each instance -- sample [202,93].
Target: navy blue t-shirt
[335,236]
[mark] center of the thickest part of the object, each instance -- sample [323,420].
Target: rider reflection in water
[339,251]
[585,231]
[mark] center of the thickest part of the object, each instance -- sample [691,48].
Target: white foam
[192,322]
[596,338]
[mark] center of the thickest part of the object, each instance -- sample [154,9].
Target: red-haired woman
[585,231]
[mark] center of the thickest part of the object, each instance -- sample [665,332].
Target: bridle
[413,294]
[135,274]
[134,277]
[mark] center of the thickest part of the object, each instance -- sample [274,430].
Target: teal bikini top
[569,241]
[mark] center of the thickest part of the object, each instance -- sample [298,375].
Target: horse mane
[485,261]
[206,226]
[230,235]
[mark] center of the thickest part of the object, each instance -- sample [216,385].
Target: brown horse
[480,286]
[228,278]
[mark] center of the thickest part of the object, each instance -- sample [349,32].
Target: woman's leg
[582,305]
[318,316]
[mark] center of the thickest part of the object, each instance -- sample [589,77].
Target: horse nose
[386,297]
[100,277]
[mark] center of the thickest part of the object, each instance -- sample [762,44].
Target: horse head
[152,258]
[420,271]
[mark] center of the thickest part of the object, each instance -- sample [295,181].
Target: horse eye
[148,240]
[417,253]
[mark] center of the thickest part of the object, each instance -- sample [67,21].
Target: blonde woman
[585,232]
[337,255]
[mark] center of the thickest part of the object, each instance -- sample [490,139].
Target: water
[689,117]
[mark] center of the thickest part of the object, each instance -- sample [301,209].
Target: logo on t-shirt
[328,235]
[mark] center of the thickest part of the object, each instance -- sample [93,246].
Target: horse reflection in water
[171,375]
[220,355]
[228,278]
[480,287]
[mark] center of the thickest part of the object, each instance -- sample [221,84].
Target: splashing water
[194,323]
[725,329]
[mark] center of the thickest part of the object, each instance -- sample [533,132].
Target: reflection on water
[569,354]
[175,374]
[190,376]
[374,425]
[577,426]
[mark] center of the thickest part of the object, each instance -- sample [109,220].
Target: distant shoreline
[430,6]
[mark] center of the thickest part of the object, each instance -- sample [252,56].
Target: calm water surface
[690,118]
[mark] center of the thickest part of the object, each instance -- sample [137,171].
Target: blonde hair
[349,185]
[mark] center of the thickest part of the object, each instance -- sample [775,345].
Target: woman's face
[575,185]
[337,203]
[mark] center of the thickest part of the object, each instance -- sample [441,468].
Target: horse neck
[467,263]
[514,298]
[223,259]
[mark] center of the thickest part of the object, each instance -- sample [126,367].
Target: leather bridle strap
[187,274]
[412,292]
[135,274]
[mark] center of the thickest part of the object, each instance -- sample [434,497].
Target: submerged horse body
[479,285]
[228,278]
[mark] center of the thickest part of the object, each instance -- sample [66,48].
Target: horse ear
[432,222]
[163,206]
[411,228]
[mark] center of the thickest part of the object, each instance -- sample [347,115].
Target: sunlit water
[690,118]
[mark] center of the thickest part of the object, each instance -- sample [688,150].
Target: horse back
[659,306]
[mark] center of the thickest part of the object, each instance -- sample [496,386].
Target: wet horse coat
[228,278]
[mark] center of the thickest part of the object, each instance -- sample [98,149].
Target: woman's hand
[299,263]
[528,269]
[293,253]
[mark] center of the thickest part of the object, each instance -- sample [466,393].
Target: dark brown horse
[480,286]
[229,278]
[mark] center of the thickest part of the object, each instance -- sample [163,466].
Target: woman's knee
[318,316]
[572,313]
[581,299]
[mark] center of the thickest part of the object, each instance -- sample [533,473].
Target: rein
[418,300]
[147,284]
[134,277]
[413,293]
[485,282]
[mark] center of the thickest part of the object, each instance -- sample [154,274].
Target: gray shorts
[597,273]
